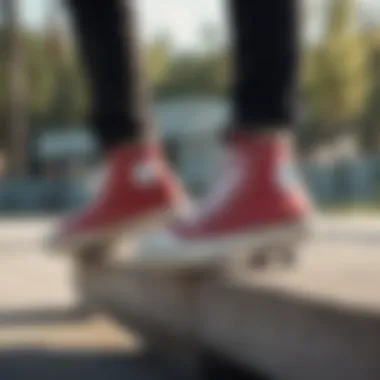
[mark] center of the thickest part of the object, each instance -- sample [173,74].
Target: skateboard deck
[97,255]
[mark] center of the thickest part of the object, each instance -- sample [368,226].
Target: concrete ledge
[290,337]
[291,332]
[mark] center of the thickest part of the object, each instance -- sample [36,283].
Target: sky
[182,19]
[179,18]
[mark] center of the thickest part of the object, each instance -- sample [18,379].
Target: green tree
[336,73]
[370,132]
[157,60]
[15,120]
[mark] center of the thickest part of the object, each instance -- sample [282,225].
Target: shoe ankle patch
[287,176]
[144,174]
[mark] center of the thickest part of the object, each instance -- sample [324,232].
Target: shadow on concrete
[27,361]
[42,364]
[37,363]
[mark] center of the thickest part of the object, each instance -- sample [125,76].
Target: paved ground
[42,335]
[345,272]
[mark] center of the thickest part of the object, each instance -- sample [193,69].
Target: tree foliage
[340,82]
[337,79]
[370,124]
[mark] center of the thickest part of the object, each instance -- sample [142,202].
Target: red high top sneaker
[259,203]
[137,189]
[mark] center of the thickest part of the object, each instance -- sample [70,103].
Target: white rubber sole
[181,255]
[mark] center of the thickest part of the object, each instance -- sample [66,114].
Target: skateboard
[93,258]
[266,258]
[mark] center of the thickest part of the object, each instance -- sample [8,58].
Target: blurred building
[187,126]
[190,129]
[60,152]
[345,147]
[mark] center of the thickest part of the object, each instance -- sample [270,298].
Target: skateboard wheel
[92,255]
[289,258]
[260,260]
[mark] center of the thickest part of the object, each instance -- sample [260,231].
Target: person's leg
[109,49]
[259,202]
[266,49]
[137,183]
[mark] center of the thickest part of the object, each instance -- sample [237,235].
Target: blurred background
[45,146]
